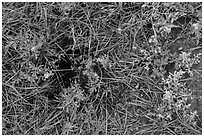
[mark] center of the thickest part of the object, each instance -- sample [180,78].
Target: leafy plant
[101,68]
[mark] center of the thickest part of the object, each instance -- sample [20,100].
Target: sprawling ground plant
[81,68]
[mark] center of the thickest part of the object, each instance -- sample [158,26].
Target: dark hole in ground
[131,7]
[148,31]
[69,62]
[65,41]
[183,23]
[185,20]
[56,10]
[68,70]
[66,73]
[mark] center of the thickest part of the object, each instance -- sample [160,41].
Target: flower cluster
[175,100]
[185,61]
[72,96]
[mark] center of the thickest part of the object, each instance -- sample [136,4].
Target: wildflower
[185,57]
[196,26]
[146,68]
[89,63]
[48,74]
[168,96]
[104,60]
[157,50]
[142,50]
[153,39]
[119,30]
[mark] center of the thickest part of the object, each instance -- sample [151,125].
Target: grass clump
[82,68]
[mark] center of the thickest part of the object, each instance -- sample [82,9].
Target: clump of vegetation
[77,68]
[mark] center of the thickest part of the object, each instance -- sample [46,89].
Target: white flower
[185,56]
[167,29]
[104,60]
[168,96]
[142,50]
[196,26]
[48,74]
[119,30]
